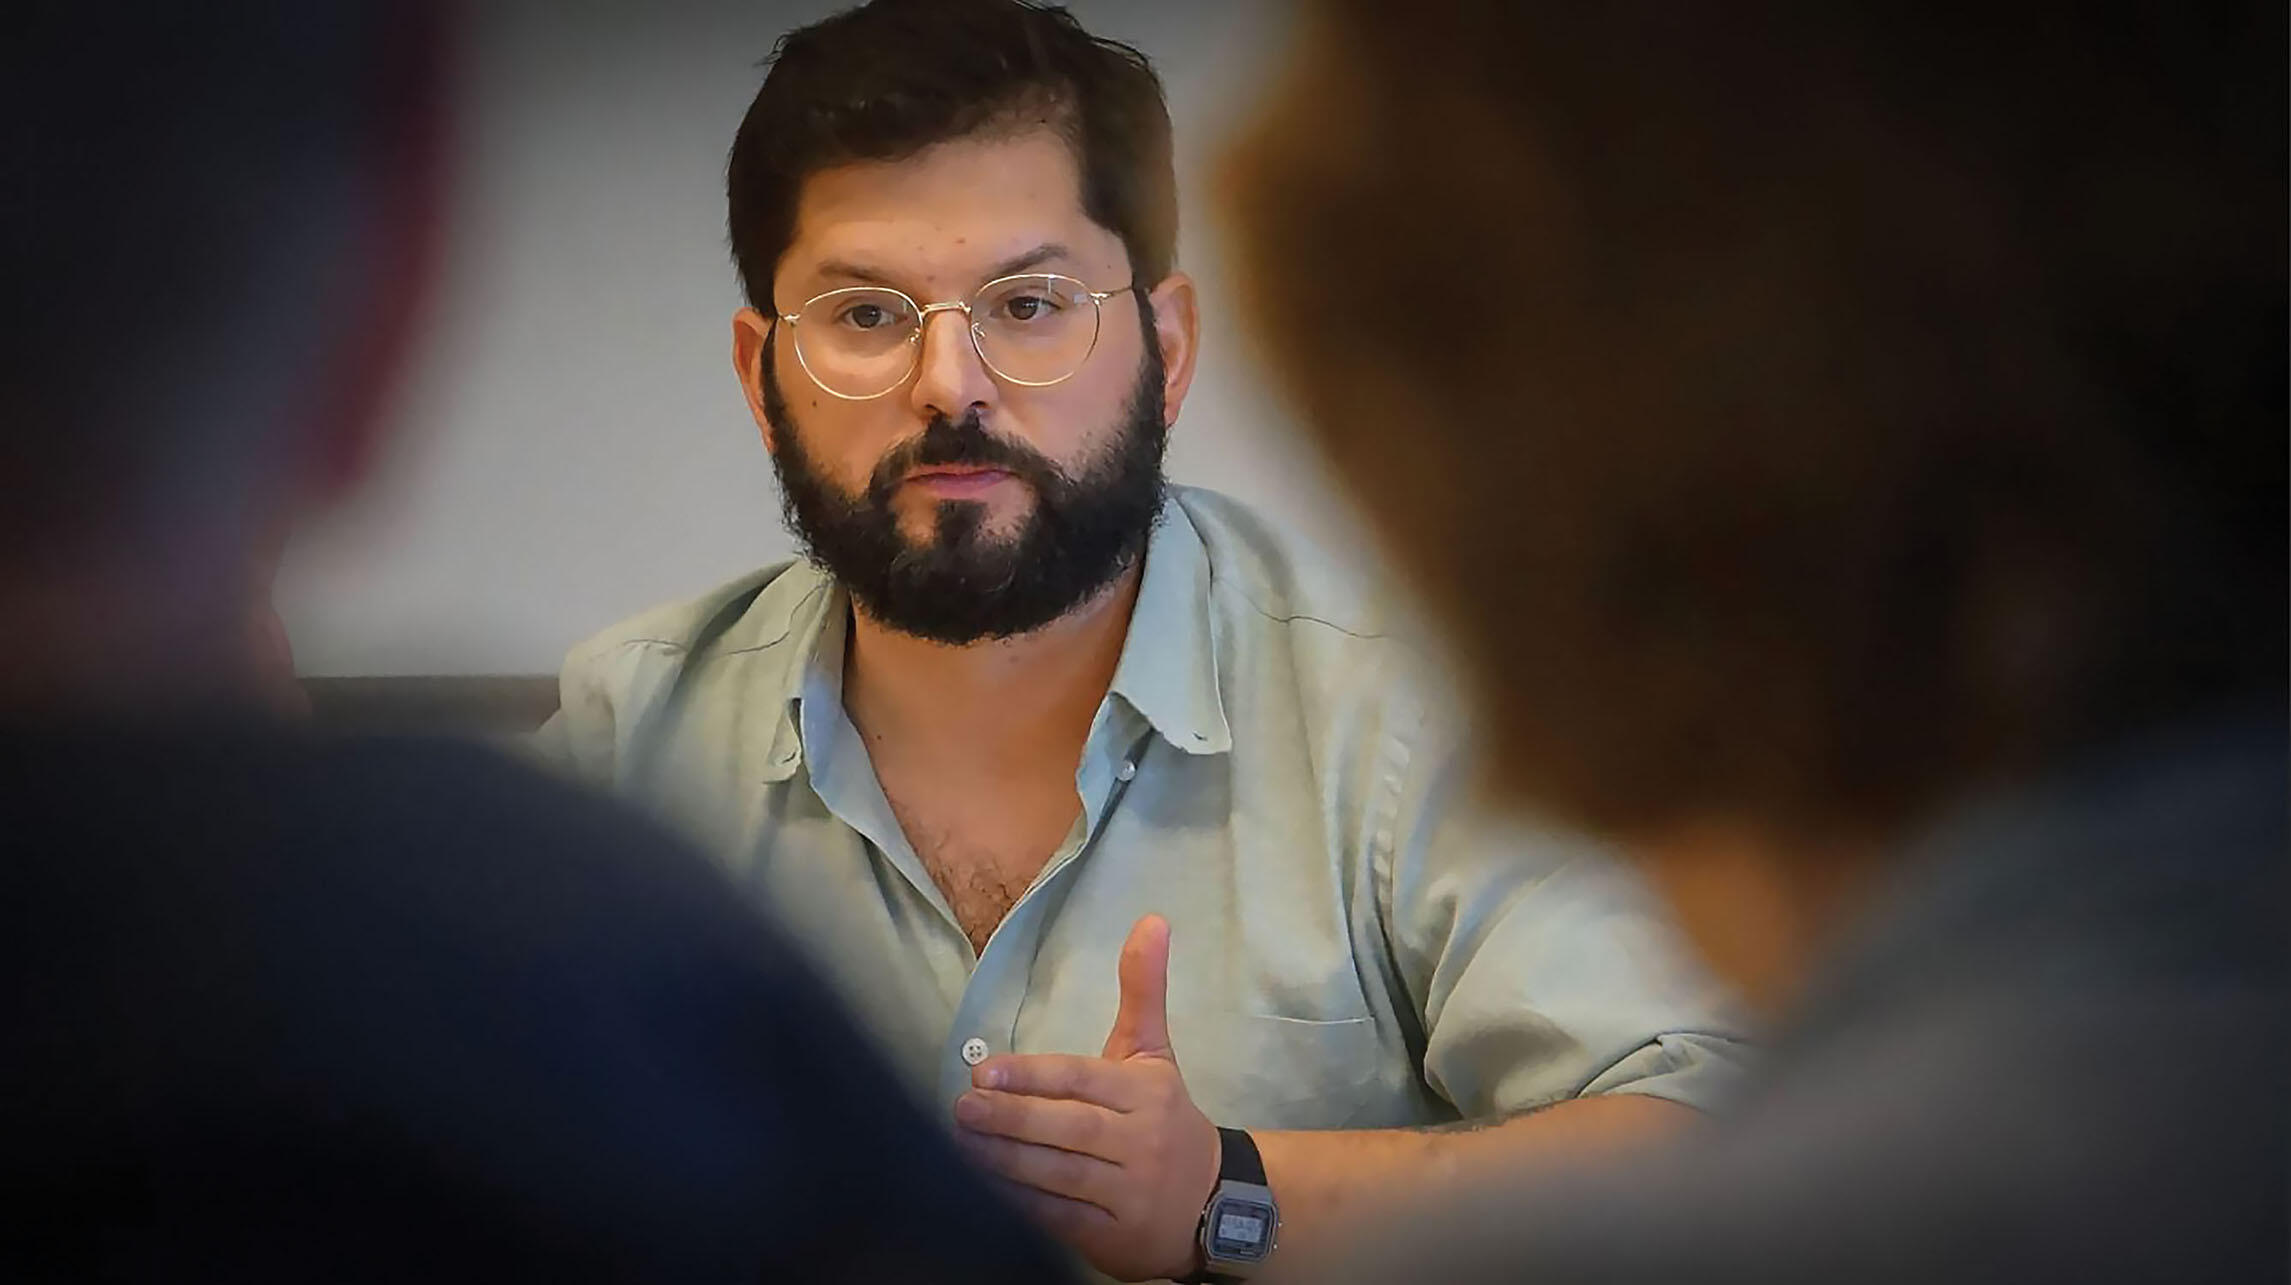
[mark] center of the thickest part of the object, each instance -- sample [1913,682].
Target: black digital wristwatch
[1241,1223]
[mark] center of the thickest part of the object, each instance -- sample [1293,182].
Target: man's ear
[1177,329]
[751,348]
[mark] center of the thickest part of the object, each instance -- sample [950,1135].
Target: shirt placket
[986,1021]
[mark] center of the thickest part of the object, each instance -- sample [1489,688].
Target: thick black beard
[966,586]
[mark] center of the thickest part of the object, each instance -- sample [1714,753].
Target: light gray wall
[573,446]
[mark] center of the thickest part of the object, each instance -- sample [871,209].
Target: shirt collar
[814,700]
[1168,669]
[769,661]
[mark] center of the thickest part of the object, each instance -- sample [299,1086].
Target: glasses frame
[923,312]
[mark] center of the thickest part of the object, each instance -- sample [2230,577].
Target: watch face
[1240,1229]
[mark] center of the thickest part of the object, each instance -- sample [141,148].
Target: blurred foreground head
[211,246]
[1803,414]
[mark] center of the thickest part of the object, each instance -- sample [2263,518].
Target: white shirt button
[974,1051]
[1126,770]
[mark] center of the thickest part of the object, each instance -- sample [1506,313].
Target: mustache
[964,442]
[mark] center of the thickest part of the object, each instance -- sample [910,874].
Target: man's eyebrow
[852,271]
[847,270]
[1033,258]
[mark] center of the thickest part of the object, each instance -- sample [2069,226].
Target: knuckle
[1009,1112]
[1066,1170]
[991,1111]
[1071,1217]
[1048,1210]
[1169,1090]
[995,1153]
[1088,1130]
[1159,1148]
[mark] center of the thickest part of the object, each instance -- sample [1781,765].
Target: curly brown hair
[1802,412]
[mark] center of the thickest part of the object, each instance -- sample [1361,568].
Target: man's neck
[1006,701]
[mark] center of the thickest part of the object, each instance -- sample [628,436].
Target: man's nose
[950,378]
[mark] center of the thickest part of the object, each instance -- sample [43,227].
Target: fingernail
[990,1077]
[968,1108]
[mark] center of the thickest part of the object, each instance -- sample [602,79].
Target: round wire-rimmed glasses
[1033,329]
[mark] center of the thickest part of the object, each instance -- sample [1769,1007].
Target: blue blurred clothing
[285,1006]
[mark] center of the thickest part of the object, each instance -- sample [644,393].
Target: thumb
[1141,1023]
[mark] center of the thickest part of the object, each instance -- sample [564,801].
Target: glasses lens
[857,342]
[1035,329]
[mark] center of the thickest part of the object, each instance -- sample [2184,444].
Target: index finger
[1063,1075]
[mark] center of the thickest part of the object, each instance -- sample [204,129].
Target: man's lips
[957,480]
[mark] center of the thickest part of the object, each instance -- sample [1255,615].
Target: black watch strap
[1237,1159]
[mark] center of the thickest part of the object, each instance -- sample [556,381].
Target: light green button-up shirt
[1350,946]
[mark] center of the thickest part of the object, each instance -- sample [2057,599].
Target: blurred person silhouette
[287,1006]
[1848,444]
[271,648]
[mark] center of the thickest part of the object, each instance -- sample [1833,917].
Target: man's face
[960,506]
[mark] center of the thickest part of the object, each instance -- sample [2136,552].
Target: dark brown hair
[1803,412]
[887,80]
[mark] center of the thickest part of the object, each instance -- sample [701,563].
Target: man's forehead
[948,214]
[926,261]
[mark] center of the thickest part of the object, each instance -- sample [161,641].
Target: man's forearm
[1113,1156]
[1331,1180]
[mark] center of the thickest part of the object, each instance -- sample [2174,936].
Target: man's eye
[1028,307]
[866,316]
